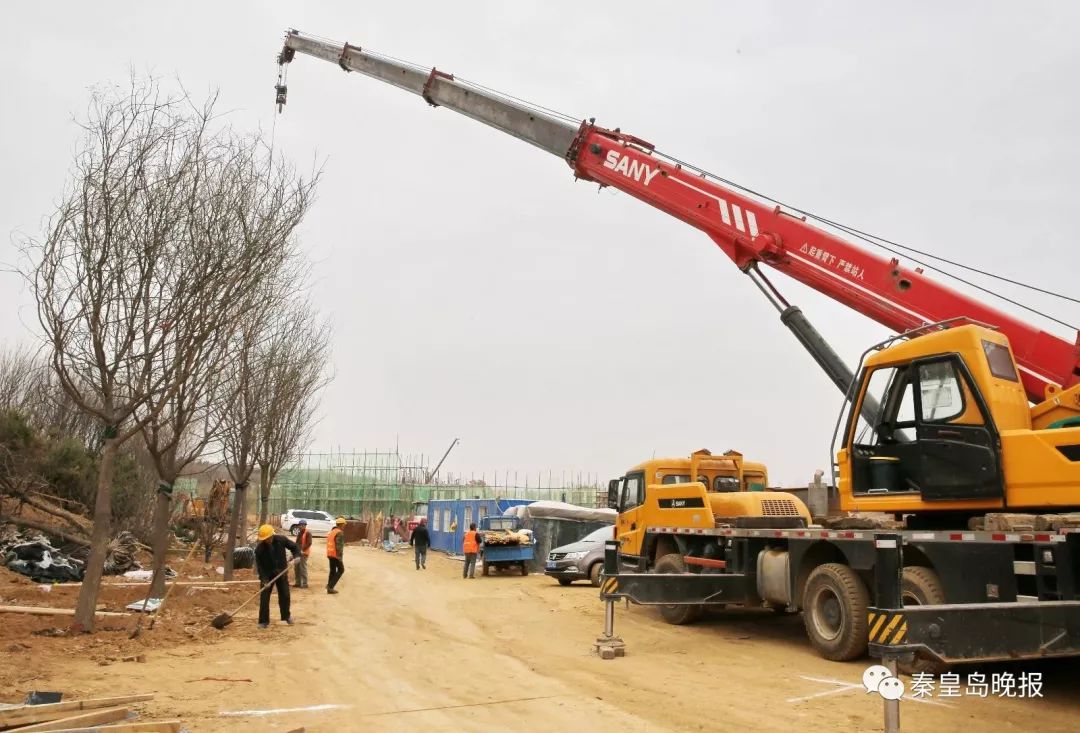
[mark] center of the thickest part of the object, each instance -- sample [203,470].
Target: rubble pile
[30,553]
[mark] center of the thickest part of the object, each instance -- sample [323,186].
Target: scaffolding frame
[367,483]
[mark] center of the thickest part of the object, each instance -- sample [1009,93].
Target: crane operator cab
[934,423]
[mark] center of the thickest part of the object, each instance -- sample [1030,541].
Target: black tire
[524,568]
[676,614]
[594,573]
[485,569]
[565,581]
[295,530]
[835,603]
[921,586]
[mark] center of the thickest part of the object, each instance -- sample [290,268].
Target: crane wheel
[835,604]
[677,614]
[921,586]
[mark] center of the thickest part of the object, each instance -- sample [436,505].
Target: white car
[318,523]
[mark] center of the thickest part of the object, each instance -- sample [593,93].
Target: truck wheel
[565,581]
[677,614]
[921,586]
[835,604]
[594,573]
[524,568]
[485,569]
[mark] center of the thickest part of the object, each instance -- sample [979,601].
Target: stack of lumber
[105,714]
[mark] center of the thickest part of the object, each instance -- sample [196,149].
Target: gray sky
[478,292]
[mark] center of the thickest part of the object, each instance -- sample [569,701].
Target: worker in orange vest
[303,541]
[335,551]
[470,545]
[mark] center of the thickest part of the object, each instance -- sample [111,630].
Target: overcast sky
[478,292]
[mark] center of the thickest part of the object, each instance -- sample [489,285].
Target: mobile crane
[938,427]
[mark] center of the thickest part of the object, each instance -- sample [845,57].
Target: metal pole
[609,646]
[888,566]
[892,707]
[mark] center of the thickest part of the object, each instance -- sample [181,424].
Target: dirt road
[403,648]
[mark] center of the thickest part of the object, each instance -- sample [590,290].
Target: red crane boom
[747,229]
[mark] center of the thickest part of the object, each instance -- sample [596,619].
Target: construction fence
[363,483]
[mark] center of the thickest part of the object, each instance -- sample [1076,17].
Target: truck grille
[779,508]
[556,556]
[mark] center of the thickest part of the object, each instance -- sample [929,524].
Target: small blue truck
[495,555]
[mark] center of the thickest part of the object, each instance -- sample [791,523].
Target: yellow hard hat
[265,532]
[339,521]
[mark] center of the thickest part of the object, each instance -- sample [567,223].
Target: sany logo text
[629,168]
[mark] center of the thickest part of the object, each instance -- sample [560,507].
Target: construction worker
[470,545]
[335,551]
[272,565]
[303,541]
[420,539]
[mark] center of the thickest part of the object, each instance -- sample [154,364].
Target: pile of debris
[508,537]
[32,554]
[44,711]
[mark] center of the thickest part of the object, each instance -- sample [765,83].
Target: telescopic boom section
[746,229]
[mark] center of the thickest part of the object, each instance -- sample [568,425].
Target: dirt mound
[36,643]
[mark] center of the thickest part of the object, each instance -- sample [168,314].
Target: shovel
[224,619]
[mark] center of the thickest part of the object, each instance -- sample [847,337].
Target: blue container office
[449,518]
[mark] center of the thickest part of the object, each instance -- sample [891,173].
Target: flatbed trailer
[1007,595]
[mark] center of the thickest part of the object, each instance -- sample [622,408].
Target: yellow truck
[701,491]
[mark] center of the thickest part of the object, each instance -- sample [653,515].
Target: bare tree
[252,204]
[293,369]
[19,376]
[129,277]
[238,435]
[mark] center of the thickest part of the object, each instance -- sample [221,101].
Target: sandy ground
[402,648]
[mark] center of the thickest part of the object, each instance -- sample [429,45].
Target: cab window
[891,391]
[632,493]
[726,484]
[939,389]
[675,479]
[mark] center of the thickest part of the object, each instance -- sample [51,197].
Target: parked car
[581,560]
[318,523]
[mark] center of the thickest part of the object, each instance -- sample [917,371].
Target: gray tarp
[555,523]
[561,510]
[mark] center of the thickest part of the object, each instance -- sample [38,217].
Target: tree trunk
[234,528]
[160,539]
[79,523]
[99,538]
[264,493]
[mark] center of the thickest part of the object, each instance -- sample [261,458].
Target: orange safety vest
[470,545]
[331,543]
[303,540]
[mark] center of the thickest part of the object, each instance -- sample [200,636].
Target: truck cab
[941,427]
[698,491]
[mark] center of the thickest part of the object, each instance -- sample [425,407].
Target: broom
[224,619]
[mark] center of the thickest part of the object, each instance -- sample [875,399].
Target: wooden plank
[43,611]
[161,726]
[109,715]
[29,714]
[146,583]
